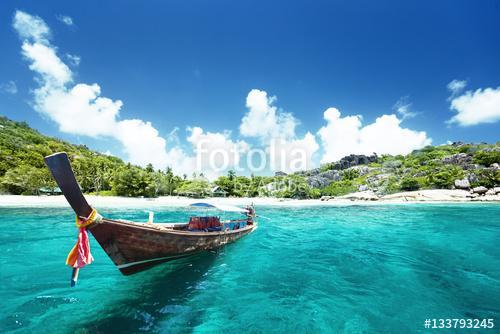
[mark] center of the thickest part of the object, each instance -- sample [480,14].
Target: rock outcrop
[363,187]
[317,178]
[460,159]
[479,190]
[385,177]
[491,192]
[472,178]
[462,184]
[323,179]
[354,160]
[362,170]
[361,196]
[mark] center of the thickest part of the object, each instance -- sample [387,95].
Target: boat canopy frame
[220,207]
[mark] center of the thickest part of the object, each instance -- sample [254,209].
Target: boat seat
[204,223]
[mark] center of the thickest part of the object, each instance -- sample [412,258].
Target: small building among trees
[218,192]
[50,191]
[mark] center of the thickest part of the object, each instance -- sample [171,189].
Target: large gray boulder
[460,159]
[354,160]
[472,178]
[332,175]
[362,170]
[462,184]
[363,187]
[362,195]
[323,179]
[318,179]
[479,190]
[494,191]
[310,172]
[376,179]
[491,192]
[315,171]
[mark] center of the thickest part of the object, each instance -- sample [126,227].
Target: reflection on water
[162,291]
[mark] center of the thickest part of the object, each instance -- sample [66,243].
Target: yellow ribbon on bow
[84,222]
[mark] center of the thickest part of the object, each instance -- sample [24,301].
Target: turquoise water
[353,269]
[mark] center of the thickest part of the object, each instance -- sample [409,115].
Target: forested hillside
[458,165]
[23,171]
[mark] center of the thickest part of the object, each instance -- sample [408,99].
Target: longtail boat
[135,246]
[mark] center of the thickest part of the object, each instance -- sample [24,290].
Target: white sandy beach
[361,198]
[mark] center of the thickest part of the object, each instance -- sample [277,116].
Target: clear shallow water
[356,269]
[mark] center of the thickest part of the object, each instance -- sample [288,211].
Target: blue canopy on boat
[228,208]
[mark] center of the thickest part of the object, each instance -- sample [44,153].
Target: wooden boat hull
[134,247]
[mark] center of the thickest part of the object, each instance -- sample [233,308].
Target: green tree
[488,178]
[487,157]
[26,180]
[226,184]
[194,188]
[339,188]
[444,177]
[150,168]
[350,174]
[241,186]
[133,181]
[168,182]
[295,186]
[409,183]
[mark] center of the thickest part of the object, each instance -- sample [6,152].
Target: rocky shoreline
[429,195]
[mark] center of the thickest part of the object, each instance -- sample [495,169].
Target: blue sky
[186,64]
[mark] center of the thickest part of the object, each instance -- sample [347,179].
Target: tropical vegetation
[22,171]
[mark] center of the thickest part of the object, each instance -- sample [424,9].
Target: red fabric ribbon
[80,255]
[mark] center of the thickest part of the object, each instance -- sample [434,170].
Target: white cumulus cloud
[67,20]
[456,86]
[480,106]
[276,130]
[292,155]
[263,120]
[80,108]
[403,107]
[45,62]
[73,59]
[30,27]
[342,136]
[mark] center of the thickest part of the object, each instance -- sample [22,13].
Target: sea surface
[352,269]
